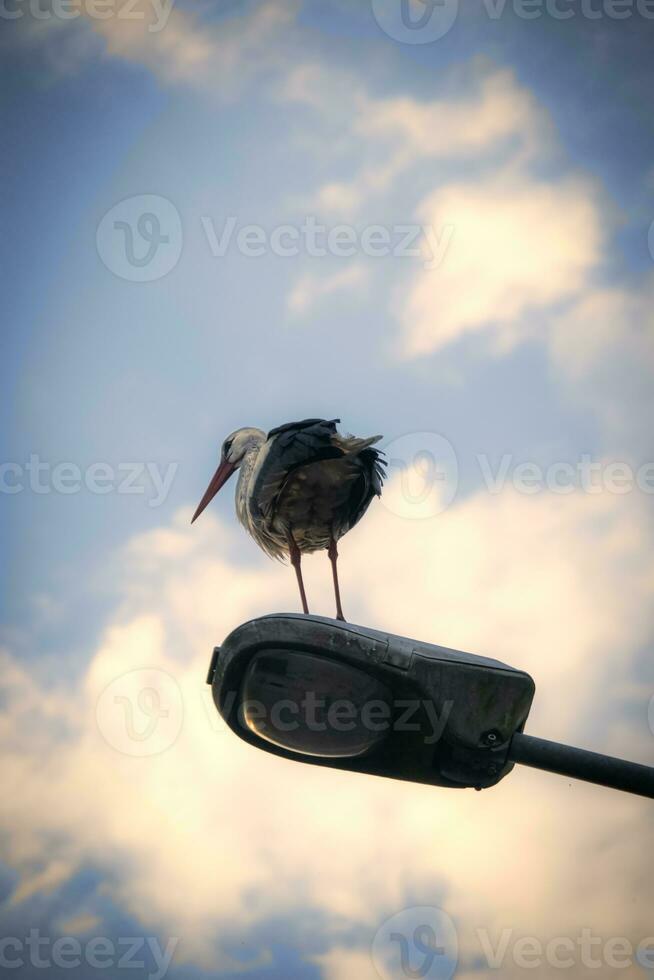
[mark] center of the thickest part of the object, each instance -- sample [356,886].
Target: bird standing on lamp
[300,488]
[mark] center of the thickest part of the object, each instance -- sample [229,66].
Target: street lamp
[328,693]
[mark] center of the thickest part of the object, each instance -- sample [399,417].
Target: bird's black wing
[306,424]
[370,463]
[288,447]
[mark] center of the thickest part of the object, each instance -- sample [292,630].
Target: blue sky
[527,147]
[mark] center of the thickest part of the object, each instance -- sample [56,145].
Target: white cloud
[177,49]
[310,289]
[494,109]
[43,881]
[338,196]
[171,41]
[392,135]
[342,963]
[216,58]
[80,924]
[519,246]
[522,244]
[525,246]
[210,836]
[602,349]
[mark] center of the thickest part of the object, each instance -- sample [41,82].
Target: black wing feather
[296,426]
[292,445]
[368,485]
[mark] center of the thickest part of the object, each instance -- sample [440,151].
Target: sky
[223,214]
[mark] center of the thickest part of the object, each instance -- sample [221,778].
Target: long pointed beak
[221,476]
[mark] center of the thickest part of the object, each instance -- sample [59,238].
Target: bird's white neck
[246,469]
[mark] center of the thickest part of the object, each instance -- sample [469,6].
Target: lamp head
[329,693]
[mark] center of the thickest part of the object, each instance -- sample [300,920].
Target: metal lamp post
[328,693]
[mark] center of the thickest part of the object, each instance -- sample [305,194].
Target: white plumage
[300,488]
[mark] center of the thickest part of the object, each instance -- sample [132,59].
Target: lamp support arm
[593,767]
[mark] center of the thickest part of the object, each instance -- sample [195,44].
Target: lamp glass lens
[313,705]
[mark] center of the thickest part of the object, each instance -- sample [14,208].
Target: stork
[300,488]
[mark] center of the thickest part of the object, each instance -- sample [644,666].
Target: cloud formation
[311,289]
[209,837]
[215,59]
[519,247]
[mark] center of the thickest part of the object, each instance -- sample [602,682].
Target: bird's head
[232,453]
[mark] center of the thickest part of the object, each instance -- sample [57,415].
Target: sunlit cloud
[480,111]
[341,963]
[311,289]
[182,49]
[168,39]
[602,349]
[519,246]
[207,837]
[80,924]
[192,831]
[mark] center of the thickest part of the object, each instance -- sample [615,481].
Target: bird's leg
[333,557]
[296,560]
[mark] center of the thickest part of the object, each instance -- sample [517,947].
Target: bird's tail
[354,445]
